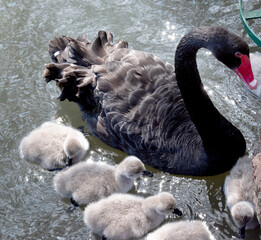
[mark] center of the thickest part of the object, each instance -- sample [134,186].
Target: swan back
[239,193]
[86,182]
[90,181]
[125,216]
[51,143]
[238,184]
[135,102]
[256,163]
[182,230]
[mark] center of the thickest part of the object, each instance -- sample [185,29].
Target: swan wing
[129,99]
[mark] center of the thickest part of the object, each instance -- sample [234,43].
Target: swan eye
[238,54]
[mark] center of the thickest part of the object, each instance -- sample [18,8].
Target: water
[29,207]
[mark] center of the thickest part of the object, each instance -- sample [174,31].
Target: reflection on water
[29,208]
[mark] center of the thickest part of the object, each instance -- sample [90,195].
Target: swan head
[166,204]
[132,167]
[243,213]
[233,51]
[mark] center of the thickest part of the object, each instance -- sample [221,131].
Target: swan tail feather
[77,64]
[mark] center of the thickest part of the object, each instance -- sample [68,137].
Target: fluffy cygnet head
[242,212]
[75,148]
[167,204]
[132,167]
[71,146]
[164,203]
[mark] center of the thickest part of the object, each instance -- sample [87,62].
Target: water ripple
[29,207]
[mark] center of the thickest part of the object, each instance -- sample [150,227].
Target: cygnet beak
[68,162]
[241,233]
[147,173]
[74,205]
[177,212]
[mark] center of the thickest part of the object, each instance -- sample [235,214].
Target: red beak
[244,71]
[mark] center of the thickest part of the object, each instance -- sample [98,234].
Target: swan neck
[124,183]
[197,101]
[149,207]
[218,135]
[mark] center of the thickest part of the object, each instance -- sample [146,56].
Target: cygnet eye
[132,174]
[135,172]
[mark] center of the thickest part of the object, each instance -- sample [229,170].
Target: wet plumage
[52,145]
[135,102]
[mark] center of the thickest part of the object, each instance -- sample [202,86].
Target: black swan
[135,102]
